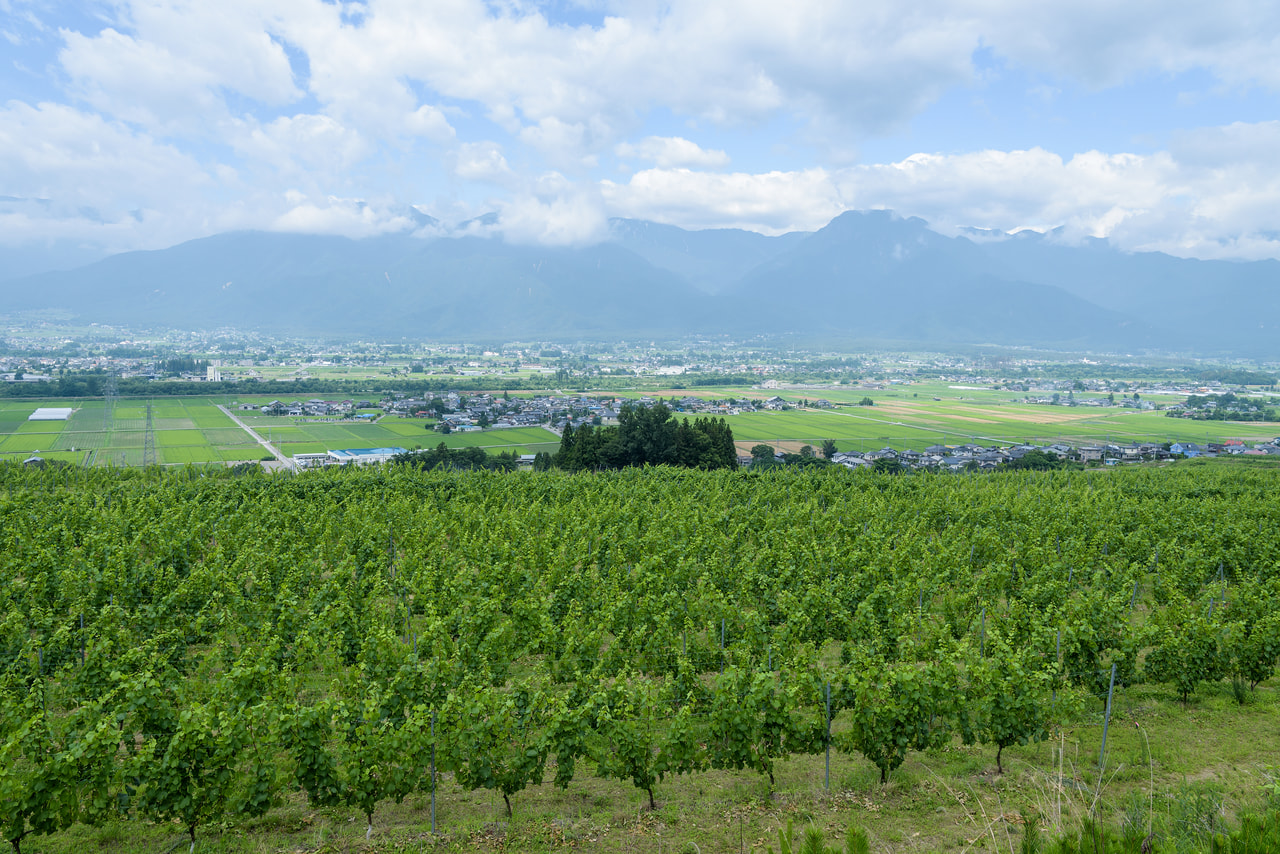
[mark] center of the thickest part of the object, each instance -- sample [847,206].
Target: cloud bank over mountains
[142,123]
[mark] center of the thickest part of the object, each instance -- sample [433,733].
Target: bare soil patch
[744,448]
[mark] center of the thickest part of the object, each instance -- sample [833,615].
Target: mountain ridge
[866,274]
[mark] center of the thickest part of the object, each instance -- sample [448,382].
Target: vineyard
[194,652]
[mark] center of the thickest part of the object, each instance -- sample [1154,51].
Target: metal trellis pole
[826,779]
[1106,722]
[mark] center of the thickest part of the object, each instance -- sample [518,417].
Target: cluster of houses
[461,412]
[1231,447]
[314,408]
[1060,400]
[1241,409]
[473,412]
[970,456]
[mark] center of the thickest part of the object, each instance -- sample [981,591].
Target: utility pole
[109,401]
[149,441]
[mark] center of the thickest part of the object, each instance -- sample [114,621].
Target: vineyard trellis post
[433,769]
[1057,658]
[1106,723]
[826,777]
[982,639]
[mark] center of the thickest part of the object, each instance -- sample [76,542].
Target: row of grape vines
[189,644]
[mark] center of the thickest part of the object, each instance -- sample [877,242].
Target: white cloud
[1238,143]
[233,103]
[866,66]
[141,82]
[27,228]
[167,64]
[429,122]
[346,217]
[482,161]
[1105,43]
[672,152]
[97,181]
[575,218]
[873,65]
[313,148]
[563,144]
[772,202]
[80,159]
[1216,194]
[1214,205]
[1011,189]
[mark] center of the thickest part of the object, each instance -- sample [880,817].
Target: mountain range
[867,275]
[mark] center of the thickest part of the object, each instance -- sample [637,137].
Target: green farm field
[916,424]
[195,430]
[909,417]
[299,436]
[191,430]
[20,438]
[295,435]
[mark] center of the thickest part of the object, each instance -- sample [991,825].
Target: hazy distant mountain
[31,258]
[389,285]
[712,259]
[866,275]
[875,275]
[1227,306]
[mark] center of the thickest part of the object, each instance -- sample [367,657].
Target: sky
[138,124]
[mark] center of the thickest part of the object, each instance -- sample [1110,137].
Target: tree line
[93,384]
[648,436]
[457,459]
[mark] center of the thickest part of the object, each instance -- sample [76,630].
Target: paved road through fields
[288,461]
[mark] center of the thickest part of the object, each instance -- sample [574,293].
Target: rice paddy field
[196,430]
[904,425]
[185,430]
[919,415]
[314,436]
